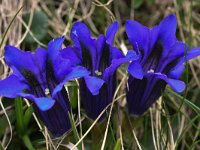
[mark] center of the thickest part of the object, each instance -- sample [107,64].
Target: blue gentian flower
[101,59]
[161,62]
[40,77]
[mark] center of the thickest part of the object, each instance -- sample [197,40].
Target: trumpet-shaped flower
[161,62]
[40,77]
[101,59]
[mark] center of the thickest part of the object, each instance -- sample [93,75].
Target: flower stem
[27,142]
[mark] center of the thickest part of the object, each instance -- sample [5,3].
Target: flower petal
[44,103]
[11,87]
[40,57]
[167,36]
[64,68]
[56,119]
[94,104]
[170,57]
[18,59]
[111,31]
[167,30]
[195,52]
[136,96]
[100,46]
[93,84]
[135,69]
[80,34]
[176,85]
[21,62]
[79,30]
[77,72]
[103,54]
[176,71]
[141,94]
[28,96]
[115,53]
[154,32]
[54,46]
[72,54]
[131,56]
[138,35]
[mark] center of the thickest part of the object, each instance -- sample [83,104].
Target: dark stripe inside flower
[162,59]
[37,77]
[101,59]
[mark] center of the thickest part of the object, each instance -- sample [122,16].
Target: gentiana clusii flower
[40,77]
[101,59]
[161,62]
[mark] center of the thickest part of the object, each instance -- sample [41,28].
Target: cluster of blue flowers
[157,59]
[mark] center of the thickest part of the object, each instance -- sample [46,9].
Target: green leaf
[75,132]
[27,142]
[186,101]
[73,96]
[71,83]
[137,3]
[118,145]
[27,116]
[39,26]
[19,115]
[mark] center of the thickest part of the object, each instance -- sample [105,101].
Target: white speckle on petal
[98,73]
[47,92]
[151,70]
[74,32]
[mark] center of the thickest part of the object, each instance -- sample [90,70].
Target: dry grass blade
[110,113]
[28,27]
[98,3]
[152,129]
[71,16]
[31,33]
